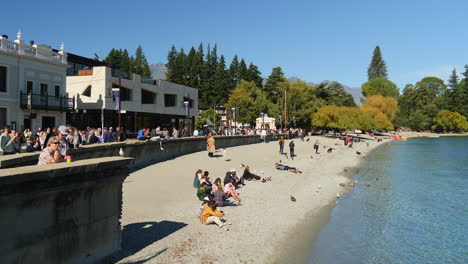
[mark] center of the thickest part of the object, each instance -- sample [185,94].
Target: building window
[170,100]
[3,79]
[3,121]
[44,88]
[57,90]
[87,91]
[189,100]
[125,94]
[29,87]
[147,97]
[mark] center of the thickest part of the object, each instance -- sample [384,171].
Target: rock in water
[293,199]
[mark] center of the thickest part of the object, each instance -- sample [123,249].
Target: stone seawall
[142,152]
[62,213]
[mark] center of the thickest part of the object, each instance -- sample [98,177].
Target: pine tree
[221,83]
[453,81]
[234,69]
[254,75]
[171,57]
[243,71]
[272,83]
[141,64]
[377,67]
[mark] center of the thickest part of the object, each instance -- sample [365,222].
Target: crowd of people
[216,194]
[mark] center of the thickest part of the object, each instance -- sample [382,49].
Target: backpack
[196,181]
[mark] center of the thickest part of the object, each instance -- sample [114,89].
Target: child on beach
[211,215]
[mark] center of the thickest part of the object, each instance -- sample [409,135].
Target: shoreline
[161,200]
[306,232]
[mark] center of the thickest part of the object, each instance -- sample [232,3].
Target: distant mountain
[158,71]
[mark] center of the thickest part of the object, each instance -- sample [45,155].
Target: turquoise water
[414,211]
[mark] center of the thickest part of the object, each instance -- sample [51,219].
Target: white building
[144,102]
[32,85]
[265,122]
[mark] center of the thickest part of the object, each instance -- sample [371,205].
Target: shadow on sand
[137,236]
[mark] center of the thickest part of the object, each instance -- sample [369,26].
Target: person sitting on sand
[231,176]
[252,177]
[230,190]
[206,178]
[218,192]
[212,215]
[202,192]
[280,166]
[197,178]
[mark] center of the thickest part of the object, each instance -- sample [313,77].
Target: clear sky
[314,40]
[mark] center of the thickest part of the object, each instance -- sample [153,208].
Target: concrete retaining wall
[62,213]
[144,153]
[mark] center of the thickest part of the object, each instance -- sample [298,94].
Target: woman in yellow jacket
[212,215]
[210,144]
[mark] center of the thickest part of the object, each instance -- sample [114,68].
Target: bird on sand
[337,195]
[293,199]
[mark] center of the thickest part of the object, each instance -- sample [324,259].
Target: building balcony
[46,102]
[35,51]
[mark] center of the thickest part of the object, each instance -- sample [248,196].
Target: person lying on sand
[329,149]
[252,177]
[280,166]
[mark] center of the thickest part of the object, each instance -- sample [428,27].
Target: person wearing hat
[231,177]
[62,133]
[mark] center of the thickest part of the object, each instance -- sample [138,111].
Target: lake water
[414,211]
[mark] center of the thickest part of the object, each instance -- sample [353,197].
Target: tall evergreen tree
[141,64]
[171,66]
[221,83]
[254,75]
[234,69]
[243,71]
[377,67]
[272,83]
[453,80]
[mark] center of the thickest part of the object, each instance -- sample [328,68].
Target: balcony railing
[122,74]
[37,51]
[46,102]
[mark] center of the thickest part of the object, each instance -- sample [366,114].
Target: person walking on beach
[291,149]
[316,146]
[281,145]
[210,144]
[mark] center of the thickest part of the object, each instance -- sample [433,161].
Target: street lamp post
[262,115]
[281,121]
[187,114]
[233,110]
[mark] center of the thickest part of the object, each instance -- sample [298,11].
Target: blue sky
[314,40]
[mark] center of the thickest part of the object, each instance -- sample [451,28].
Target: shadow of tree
[137,236]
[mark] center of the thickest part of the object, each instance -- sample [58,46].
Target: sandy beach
[159,205]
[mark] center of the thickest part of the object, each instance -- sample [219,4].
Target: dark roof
[73,58]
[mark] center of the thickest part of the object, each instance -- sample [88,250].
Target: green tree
[221,83]
[254,75]
[453,80]
[234,69]
[141,64]
[377,67]
[450,121]
[243,71]
[271,86]
[380,85]
[335,93]
[241,99]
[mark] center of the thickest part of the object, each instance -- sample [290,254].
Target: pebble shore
[159,204]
